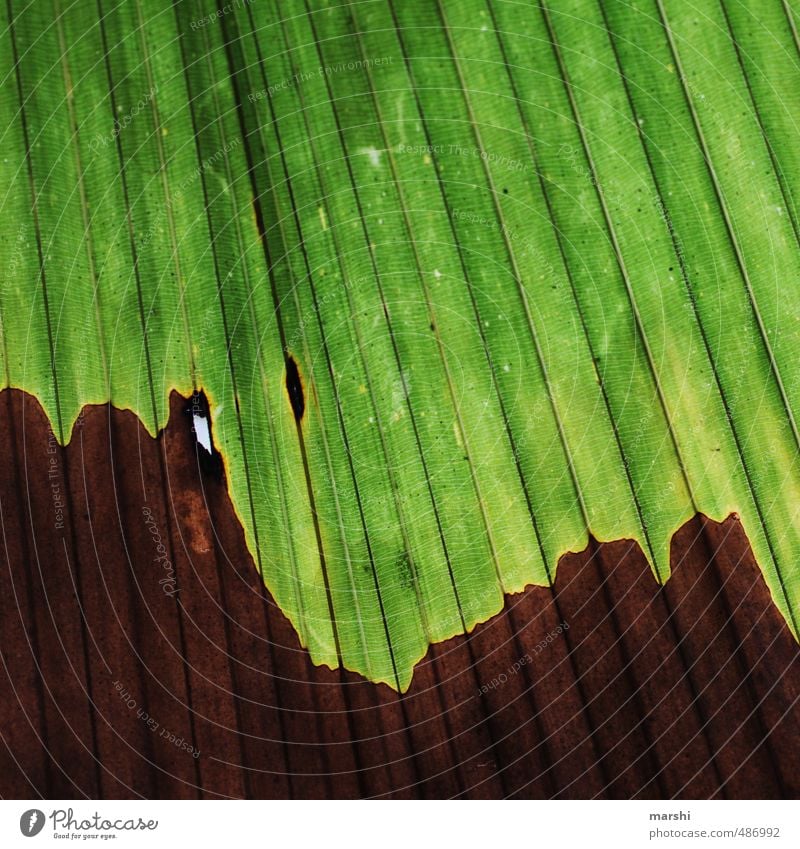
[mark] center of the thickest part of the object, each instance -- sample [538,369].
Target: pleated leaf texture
[464,282]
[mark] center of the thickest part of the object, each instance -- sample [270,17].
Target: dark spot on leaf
[404,573]
[294,388]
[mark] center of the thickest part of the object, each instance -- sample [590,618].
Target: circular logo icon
[31,822]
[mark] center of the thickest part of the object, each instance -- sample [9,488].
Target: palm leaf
[463,282]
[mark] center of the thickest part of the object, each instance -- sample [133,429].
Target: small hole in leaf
[199,411]
[294,388]
[201,421]
[202,432]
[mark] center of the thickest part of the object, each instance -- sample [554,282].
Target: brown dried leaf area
[143,656]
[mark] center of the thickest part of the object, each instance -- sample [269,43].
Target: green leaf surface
[537,265]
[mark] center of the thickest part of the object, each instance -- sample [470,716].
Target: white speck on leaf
[373,153]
